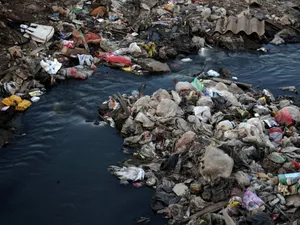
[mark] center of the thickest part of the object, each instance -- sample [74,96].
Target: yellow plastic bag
[127,69]
[22,106]
[13,100]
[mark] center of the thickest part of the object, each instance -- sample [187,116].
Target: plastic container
[289,178]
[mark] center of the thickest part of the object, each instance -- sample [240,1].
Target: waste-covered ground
[216,151]
[44,42]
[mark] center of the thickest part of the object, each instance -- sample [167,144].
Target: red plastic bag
[284,117]
[116,59]
[275,134]
[93,38]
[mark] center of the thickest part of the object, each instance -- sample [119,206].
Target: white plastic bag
[202,113]
[51,67]
[127,173]
[216,164]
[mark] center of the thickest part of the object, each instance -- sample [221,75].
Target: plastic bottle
[289,178]
[242,113]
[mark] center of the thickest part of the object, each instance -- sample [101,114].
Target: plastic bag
[134,48]
[198,85]
[205,101]
[51,66]
[92,38]
[288,115]
[242,179]
[184,86]
[85,59]
[38,33]
[116,60]
[275,134]
[161,94]
[185,141]
[142,102]
[251,201]
[216,164]
[147,150]
[203,113]
[127,173]
[77,72]
[22,106]
[142,118]
[225,125]
[13,100]
[213,73]
[168,108]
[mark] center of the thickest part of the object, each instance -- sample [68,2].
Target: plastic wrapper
[251,201]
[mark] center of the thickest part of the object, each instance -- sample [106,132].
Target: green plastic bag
[198,84]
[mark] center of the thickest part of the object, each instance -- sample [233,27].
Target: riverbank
[142,36]
[39,163]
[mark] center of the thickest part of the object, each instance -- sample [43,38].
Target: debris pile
[64,40]
[215,153]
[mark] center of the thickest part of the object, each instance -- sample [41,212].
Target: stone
[274,202]
[171,52]
[33,8]
[180,189]
[285,20]
[151,181]
[152,65]
[198,41]
[259,15]
[281,198]
[162,53]
[149,3]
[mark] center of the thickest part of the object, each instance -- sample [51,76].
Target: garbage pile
[69,40]
[215,153]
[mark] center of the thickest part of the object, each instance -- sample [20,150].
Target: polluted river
[56,170]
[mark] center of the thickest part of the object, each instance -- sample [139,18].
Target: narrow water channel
[57,172]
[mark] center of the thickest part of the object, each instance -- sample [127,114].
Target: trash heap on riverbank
[215,151]
[49,42]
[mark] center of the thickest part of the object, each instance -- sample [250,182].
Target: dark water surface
[57,173]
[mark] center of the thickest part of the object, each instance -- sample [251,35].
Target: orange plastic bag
[13,100]
[99,11]
[22,106]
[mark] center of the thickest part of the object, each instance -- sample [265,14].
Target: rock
[293,200]
[277,40]
[33,8]
[171,52]
[149,3]
[180,189]
[286,33]
[281,198]
[152,65]
[274,202]
[162,53]
[259,16]
[151,181]
[198,42]
[285,20]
